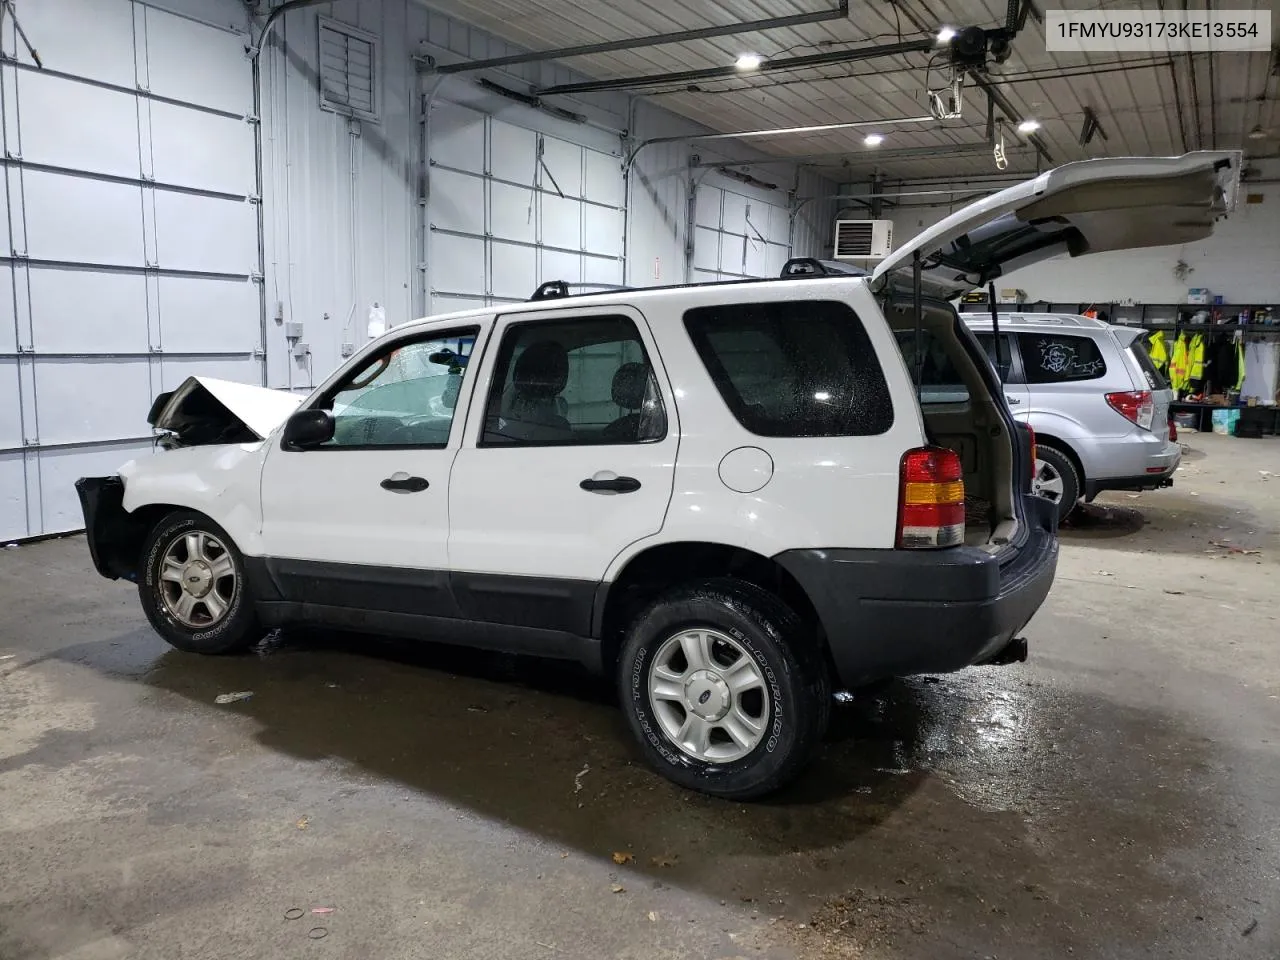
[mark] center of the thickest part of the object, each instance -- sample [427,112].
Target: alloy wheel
[709,694]
[198,579]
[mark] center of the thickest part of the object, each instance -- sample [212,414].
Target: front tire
[724,688]
[1056,480]
[193,586]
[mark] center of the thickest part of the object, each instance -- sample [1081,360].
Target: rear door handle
[1012,399]
[399,483]
[614,485]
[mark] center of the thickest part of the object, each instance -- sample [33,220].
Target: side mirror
[308,428]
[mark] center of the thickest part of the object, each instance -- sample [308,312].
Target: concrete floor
[1116,796]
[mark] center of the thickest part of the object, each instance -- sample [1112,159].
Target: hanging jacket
[1195,358]
[1157,351]
[1178,364]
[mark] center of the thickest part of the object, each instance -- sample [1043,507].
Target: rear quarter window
[1060,358]
[801,368]
[1155,379]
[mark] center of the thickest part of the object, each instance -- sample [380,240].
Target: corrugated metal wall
[132,254]
[662,182]
[129,258]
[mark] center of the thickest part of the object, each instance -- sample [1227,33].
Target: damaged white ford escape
[731,498]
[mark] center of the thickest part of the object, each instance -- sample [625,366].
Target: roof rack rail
[813,267]
[557,289]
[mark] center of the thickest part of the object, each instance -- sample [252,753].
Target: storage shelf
[1149,316]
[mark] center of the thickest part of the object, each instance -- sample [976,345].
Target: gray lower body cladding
[890,613]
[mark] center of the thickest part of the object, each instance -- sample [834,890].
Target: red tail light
[1136,406]
[1173,429]
[931,499]
[1033,453]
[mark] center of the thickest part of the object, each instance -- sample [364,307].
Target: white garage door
[737,236]
[511,207]
[130,257]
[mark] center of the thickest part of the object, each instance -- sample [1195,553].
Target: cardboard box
[1012,295]
[1198,295]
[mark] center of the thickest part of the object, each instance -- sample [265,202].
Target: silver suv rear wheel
[1056,479]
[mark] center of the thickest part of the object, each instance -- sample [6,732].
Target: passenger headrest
[629,385]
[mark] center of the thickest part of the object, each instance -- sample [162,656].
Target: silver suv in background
[1098,405]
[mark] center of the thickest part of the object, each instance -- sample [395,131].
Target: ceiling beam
[840,12]
[782,65]
[1001,101]
[868,158]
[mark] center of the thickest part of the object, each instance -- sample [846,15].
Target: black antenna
[995,325]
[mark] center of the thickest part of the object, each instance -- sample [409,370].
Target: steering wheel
[361,382]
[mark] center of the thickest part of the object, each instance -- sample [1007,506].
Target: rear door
[569,457]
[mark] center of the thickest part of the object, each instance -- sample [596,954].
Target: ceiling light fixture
[946,35]
[1029,126]
[873,139]
[748,61]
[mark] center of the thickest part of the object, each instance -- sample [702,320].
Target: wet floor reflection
[990,784]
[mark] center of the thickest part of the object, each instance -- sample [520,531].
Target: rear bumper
[1147,481]
[893,613]
[112,533]
[1135,454]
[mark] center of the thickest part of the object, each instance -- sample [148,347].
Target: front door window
[403,397]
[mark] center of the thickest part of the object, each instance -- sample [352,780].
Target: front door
[363,519]
[569,457]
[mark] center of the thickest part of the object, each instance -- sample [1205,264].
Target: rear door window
[1004,362]
[1060,358]
[573,382]
[799,368]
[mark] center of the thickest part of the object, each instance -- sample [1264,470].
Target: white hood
[208,410]
[1087,207]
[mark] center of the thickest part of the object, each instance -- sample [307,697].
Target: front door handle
[614,485]
[399,483]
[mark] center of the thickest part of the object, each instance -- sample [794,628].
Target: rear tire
[725,688]
[193,586]
[1056,479]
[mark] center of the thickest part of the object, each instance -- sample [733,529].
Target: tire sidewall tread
[1071,475]
[236,631]
[792,667]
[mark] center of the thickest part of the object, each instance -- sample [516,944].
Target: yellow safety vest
[1178,364]
[1157,351]
[1195,358]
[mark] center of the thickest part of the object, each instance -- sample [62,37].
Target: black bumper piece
[892,613]
[113,535]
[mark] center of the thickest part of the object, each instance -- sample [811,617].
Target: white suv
[727,496]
